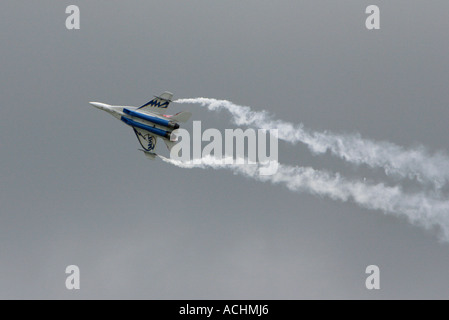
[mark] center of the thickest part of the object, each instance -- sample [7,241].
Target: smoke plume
[414,163]
[428,207]
[419,208]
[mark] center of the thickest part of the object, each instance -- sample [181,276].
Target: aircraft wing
[161,101]
[147,139]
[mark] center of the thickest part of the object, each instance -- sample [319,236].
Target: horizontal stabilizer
[169,144]
[181,116]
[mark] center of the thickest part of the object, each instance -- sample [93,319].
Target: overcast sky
[75,189]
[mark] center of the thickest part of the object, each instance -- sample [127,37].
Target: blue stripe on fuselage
[136,124]
[155,120]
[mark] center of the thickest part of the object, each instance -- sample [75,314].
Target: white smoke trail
[420,209]
[405,163]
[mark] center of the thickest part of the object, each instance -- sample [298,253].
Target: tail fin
[149,154]
[183,116]
[166,96]
[161,101]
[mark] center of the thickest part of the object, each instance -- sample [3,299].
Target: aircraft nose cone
[99,105]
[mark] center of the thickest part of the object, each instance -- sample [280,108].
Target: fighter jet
[148,122]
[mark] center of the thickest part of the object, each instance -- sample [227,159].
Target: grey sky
[75,190]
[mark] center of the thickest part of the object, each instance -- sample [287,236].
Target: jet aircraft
[148,122]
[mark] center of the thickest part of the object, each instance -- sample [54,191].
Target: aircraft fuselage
[153,123]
